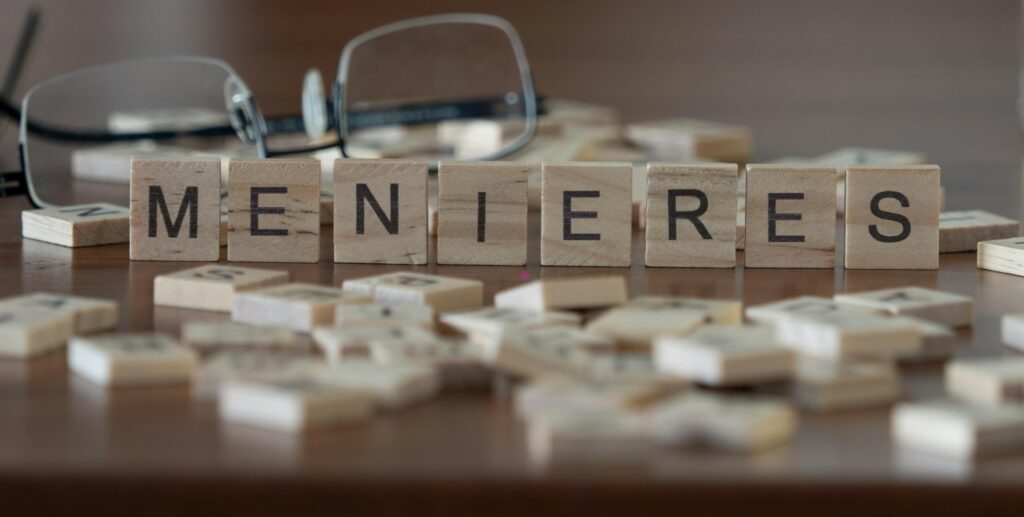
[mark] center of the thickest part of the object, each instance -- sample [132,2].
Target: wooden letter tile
[578,292]
[212,287]
[790,216]
[131,359]
[992,381]
[949,309]
[384,313]
[957,430]
[88,315]
[442,293]
[296,306]
[340,344]
[77,226]
[1004,256]
[292,406]
[253,365]
[380,213]
[892,217]
[29,332]
[724,422]
[586,214]
[636,326]
[209,335]
[482,213]
[1013,330]
[963,230]
[274,211]
[726,355]
[175,209]
[390,386]
[691,215]
[823,385]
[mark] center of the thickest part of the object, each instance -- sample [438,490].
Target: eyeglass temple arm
[21,52]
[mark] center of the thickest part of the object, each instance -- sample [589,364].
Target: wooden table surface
[931,76]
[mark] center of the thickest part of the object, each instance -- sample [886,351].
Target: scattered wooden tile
[88,315]
[963,230]
[859,156]
[209,335]
[628,367]
[274,211]
[636,327]
[586,214]
[941,307]
[384,313]
[442,293]
[382,211]
[823,385]
[938,342]
[599,438]
[578,292]
[27,333]
[841,336]
[726,355]
[296,306]
[722,312]
[211,287]
[77,226]
[253,365]
[724,422]
[175,209]
[997,380]
[1012,329]
[686,139]
[958,430]
[539,351]
[391,386]
[292,406]
[341,343]
[771,313]
[1004,255]
[559,395]
[691,215]
[790,216]
[458,363]
[483,324]
[131,359]
[892,217]
[482,211]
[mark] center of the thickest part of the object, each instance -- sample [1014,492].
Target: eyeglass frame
[249,124]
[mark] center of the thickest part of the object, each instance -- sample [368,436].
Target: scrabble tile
[482,213]
[1012,328]
[823,385]
[636,327]
[175,209]
[790,216]
[442,293]
[559,395]
[535,352]
[252,365]
[1003,255]
[685,139]
[599,438]
[274,211]
[938,342]
[857,156]
[88,315]
[209,335]
[839,336]
[963,230]
[722,312]
[382,211]
[384,313]
[483,324]
[578,292]
[131,359]
[292,406]
[691,215]
[957,430]
[391,386]
[772,313]
[726,355]
[458,363]
[28,332]
[211,287]
[586,214]
[628,367]
[77,226]
[949,309]
[343,343]
[995,380]
[296,306]
[892,217]
[723,422]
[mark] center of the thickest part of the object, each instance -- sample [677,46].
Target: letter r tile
[175,209]
[586,214]
[691,215]
[274,211]
[791,216]
[892,217]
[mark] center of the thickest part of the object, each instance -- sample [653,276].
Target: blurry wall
[808,76]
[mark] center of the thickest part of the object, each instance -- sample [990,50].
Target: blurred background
[939,77]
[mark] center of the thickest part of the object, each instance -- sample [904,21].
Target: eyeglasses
[415,88]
